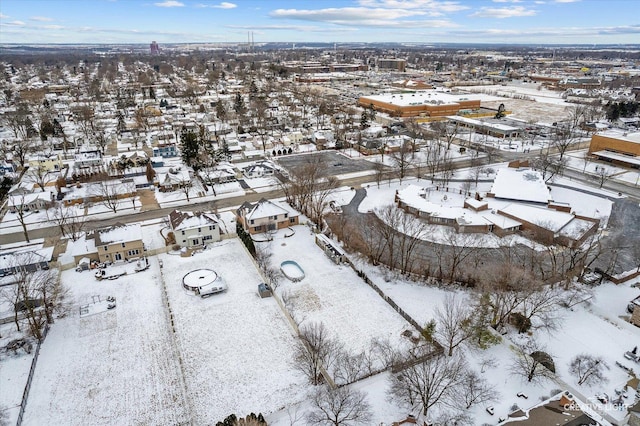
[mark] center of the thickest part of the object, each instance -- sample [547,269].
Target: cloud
[345,15]
[429,7]
[507,1]
[53,27]
[3,16]
[567,1]
[41,19]
[552,33]
[225,5]
[364,17]
[169,3]
[15,23]
[503,12]
[300,28]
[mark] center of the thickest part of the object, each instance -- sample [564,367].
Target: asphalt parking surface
[336,163]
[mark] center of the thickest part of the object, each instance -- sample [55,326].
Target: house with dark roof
[194,229]
[265,216]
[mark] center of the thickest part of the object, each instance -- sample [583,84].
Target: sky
[334,21]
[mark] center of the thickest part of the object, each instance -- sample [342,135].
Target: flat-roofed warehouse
[424,103]
[616,146]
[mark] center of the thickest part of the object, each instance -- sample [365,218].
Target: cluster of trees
[250,420]
[615,110]
[308,187]
[198,152]
[37,297]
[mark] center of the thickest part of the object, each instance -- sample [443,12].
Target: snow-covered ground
[236,348]
[334,294]
[577,160]
[114,367]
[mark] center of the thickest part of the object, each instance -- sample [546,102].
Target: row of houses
[121,243]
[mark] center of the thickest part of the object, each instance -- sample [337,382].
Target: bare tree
[40,294]
[19,205]
[445,131]
[263,259]
[532,362]
[540,305]
[20,123]
[402,159]
[341,406]
[549,165]
[459,248]
[85,116]
[453,322]
[602,175]
[39,175]
[108,194]
[308,189]
[477,390]
[185,187]
[429,385]
[373,239]
[69,220]
[316,351]
[588,369]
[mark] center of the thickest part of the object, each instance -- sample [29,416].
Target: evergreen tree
[364,120]
[190,144]
[238,105]
[221,111]
[57,128]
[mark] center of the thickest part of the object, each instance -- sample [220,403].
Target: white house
[194,229]
[259,169]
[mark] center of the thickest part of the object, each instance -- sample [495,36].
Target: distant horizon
[329,43]
[515,22]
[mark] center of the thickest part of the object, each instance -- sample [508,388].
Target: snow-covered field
[236,348]
[333,294]
[114,367]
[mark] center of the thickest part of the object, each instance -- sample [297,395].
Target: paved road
[45,230]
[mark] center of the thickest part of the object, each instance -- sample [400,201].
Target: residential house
[259,169]
[118,243]
[48,163]
[7,167]
[265,216]
[194,229]
[32,201]
[87,160]
[27,259]
[166,150]
[223,173]
[174,179]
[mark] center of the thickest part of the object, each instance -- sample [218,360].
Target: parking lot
[336,163]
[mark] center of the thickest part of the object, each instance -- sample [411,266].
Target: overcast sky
[420,21]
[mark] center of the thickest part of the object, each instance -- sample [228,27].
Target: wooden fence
[27,388]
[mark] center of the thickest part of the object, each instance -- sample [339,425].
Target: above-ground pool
[203,282]
[292,270]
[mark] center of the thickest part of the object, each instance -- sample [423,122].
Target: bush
[246,239]
[522,323]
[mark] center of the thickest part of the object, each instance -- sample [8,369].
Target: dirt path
[148,200]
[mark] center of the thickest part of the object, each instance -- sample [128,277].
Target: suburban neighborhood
[318,233]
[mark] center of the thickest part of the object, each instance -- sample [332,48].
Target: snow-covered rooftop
[621,135]
[552,220]
[121,234]
[521,185]
[423,97]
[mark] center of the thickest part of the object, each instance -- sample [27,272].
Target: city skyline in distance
[369,21]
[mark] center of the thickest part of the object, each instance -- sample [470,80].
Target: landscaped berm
[203,282]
